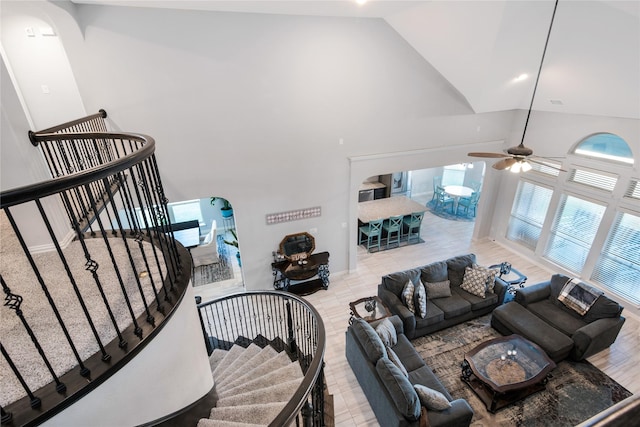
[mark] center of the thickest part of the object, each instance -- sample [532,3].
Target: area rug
[575,392]
[216,272]
[447,213]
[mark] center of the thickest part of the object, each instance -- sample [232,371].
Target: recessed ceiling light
[556,102]
[521,77]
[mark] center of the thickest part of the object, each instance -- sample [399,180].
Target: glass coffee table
[369,309]
[506,369]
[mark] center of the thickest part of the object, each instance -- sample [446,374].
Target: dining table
[457,192]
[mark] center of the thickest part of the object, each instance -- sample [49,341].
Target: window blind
[618,266]
[601,180]
[527,214]
[574,228]
[545,168]
[633,191]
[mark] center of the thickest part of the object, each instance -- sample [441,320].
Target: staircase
[253,385]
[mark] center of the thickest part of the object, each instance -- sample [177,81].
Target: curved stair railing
[287,323]
[109,186]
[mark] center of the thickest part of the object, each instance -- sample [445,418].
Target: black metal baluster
[14,301]
[92,266]
[83,305]
[83,369]
[105,238]
[34,400]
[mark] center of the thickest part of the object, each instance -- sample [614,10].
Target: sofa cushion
[434,315]
[426,377]
[369,339]
[438,289]
[387,332]
[604,307]
[456,266]
[407,296]
[395,282]
[434,272]
[453,306]
[407,353]
[432,399]
[420,300]
[476,302]
[555,287]
[561,319]
[400,389]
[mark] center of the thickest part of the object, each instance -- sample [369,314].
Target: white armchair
[207,251]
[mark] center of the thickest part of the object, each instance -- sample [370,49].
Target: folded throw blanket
[578,296]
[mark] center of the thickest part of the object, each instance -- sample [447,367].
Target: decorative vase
[226,213]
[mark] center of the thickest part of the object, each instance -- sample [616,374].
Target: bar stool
[412,223]
[373,230]
[393,225]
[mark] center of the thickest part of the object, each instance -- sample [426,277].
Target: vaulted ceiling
[592,64]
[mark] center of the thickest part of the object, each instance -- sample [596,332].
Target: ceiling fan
[517,158]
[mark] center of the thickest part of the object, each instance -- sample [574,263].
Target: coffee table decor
[369,309]
[506,369]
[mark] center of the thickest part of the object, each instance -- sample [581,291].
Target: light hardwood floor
[443,239]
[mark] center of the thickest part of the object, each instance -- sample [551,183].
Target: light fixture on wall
[518,158]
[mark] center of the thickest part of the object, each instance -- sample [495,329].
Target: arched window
[605,146]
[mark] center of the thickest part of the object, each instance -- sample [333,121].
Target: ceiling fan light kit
[517,158]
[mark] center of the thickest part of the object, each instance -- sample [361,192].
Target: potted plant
[234,243]
[226,210]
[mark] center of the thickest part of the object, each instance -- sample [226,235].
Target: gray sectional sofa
[390,393]
[441,312]
[539,316]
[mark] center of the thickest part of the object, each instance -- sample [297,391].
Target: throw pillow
[407,296]
[420,301]
[456,266]
[369,339]
[432,399]
[474,281]
[387,332]
[491,274]
[400,389]
[438,289]
[578,296]
[396,361]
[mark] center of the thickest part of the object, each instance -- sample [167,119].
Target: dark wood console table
[302,277]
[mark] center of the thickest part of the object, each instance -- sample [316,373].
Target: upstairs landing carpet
[575,392]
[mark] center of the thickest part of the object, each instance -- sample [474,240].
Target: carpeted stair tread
[232,353]
[281,392]
[262,413]
[239,362]
[206,422]
[278,361]
[286,373]
[216,357]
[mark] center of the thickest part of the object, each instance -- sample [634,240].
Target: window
[633,191]
[528,213]
[596,179]
[187,210]
[453,175]
[546,167]
[605,146]
[574,228]
[618,266]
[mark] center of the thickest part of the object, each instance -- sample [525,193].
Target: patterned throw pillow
[420,300]
[491,276]
[474,281]
[407,296]
[432,399]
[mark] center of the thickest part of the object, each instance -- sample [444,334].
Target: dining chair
[443,199]
[475,185]
[437,182]
[372,230]
[393,225]
[469,203]
[412,223]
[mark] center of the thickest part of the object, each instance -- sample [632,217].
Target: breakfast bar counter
[386,208]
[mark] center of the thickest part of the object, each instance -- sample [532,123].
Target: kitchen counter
[386,208]
[371,186]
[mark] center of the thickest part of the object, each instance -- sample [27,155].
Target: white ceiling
[592,65]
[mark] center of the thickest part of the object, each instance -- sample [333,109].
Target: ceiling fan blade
[545,164]
[504,164]
[492,155]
